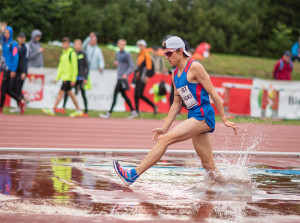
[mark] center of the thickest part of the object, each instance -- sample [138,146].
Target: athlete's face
[77,45]
[65,45]
[172,56]
[121,44]
[6,34]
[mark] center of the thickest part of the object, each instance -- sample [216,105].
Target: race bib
[187,97]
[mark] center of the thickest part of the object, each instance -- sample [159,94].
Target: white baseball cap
[175,42]
[141,42]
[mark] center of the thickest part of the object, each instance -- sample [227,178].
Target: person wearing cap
[143,72]
[193,87]
[283,68]
[17,82]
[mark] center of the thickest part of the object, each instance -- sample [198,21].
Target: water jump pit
[77,188]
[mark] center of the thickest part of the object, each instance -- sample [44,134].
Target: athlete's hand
[73,84]
[85,81]
[157,132]
[12,74]
[54,81]
[232,125]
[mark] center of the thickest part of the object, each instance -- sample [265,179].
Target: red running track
[63,132]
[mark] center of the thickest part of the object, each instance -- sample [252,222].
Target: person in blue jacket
[10,53]
[296,51]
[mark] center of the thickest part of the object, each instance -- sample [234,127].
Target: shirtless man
[193,86]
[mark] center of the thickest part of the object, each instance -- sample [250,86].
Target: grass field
[216,64]
[237,119]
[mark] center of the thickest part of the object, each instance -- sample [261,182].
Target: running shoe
[133,114]
[15,110]
[128,177]
[76,114]
[106,115]
[60,110]
[48,111]
[85,115]
[22,105]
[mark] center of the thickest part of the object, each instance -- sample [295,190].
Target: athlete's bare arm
[174,110]
[197,74]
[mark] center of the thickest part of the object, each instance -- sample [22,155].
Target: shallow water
[259,189]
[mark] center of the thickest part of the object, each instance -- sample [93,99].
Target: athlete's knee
[165,140]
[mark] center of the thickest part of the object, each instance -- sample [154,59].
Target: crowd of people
[75,64]
[73,70]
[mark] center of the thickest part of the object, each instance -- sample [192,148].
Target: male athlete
[193,86]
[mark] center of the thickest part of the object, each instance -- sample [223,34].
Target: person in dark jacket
[16,83]
[283,68]
[10,53]
[83,71]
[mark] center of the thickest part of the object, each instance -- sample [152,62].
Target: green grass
[243,66]
[237,119]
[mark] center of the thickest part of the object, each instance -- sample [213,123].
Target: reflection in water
[88,186]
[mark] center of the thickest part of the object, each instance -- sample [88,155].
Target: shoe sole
[47,113]
[117,172]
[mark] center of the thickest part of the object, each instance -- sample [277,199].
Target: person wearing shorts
[82,78]
[67,72]
[193,87]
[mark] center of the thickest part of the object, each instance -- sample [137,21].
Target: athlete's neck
[182,63]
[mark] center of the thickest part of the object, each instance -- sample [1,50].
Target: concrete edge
[141,151]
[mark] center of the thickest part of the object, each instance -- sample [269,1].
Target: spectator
[2,28]
[67,72]
[144,71]
[17,82]
[82,77]
[94,53]
[296,50]
[11,56]
[283,68]
[159,62]
[35,50]
[125,67]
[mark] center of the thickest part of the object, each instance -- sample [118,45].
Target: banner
[289,98]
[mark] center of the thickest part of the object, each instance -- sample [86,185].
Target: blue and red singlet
[195,97]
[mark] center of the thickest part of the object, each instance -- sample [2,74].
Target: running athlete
[193,86]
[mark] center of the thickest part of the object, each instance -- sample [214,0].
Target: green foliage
[257,28]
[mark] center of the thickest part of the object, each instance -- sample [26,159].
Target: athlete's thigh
[203,146]
[186,130]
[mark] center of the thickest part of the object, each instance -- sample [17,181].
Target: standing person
[283,68]
[17,82]
[144,71]
[296,50]
[67,72]
[82,77]
[35,50]
[125,67]
[159,62]
[10,53]
[94,53]
[193,86]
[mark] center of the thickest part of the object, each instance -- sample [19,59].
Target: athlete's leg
[84,99]
[4,86]
[203,147]
[59,97]
[137,95]
[185,130]
[116,91]
[65,100]
[127,100]
[74,99]
[143,97]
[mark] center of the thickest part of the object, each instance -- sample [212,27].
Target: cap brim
[186,53]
